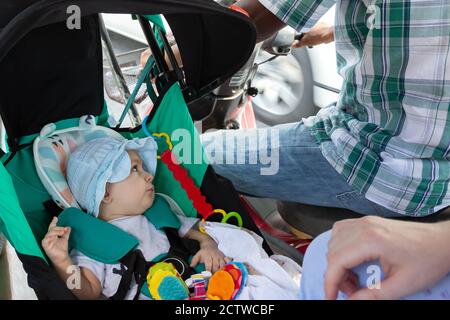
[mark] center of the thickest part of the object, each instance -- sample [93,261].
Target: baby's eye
[134,169]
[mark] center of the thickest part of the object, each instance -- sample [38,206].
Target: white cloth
[152,242]
[271,278]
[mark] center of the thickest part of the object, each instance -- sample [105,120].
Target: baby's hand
[55,242]
[210,255]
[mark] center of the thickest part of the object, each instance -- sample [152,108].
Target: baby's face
[136,193]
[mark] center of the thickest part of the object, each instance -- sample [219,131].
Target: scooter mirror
[280,43]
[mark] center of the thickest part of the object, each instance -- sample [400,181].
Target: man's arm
[265,21]
[321,33]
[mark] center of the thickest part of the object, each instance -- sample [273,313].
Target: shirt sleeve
[96,267]
[301,15]
[186,224]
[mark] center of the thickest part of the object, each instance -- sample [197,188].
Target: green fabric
[148,78]
[141,79]
[29,190]
[26,187]
[156,19]
[103,241]
[96,238]
[161,215]
[173,114]
[22,194]
[12,220]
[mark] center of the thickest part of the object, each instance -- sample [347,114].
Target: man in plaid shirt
[388,136]
[387,142]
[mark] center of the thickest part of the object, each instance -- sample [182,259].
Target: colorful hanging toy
[227,283]
[165,283]
[198,284]
[194,194]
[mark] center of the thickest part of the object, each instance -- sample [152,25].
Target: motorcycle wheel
[285,88]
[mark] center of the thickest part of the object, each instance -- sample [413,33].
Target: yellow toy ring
[166,136]
[225,218]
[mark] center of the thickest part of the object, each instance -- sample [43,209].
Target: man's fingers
[342,256]
[144,57]
[297,44]
[350,285]
[364,294]
[392,288]
[333,278]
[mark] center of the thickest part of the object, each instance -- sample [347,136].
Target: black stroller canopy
[51,73]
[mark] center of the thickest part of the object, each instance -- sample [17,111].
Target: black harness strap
[136,266]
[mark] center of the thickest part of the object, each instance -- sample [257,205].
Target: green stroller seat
[63,80]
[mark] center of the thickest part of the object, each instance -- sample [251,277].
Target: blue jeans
[303,175]
[315,265]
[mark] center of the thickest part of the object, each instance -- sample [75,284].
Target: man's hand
[210,255]
[414,256]
[319,34]
[55,243]
[144,57]
[147,54]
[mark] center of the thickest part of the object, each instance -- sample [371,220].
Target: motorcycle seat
[314,220]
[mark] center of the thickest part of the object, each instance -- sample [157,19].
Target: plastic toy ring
[225,218]
[144,127]
[233,214]
[158,135]
[166,136]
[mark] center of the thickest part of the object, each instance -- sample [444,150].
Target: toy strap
[193,192]
[141,79]
[180,174]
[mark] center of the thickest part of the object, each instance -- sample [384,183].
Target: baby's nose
[148,177]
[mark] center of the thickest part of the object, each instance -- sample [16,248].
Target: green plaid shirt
[389,134]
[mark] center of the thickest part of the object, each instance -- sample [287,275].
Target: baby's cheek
[149,199]
[152,199]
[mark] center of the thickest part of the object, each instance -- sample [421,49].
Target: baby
[112,180]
